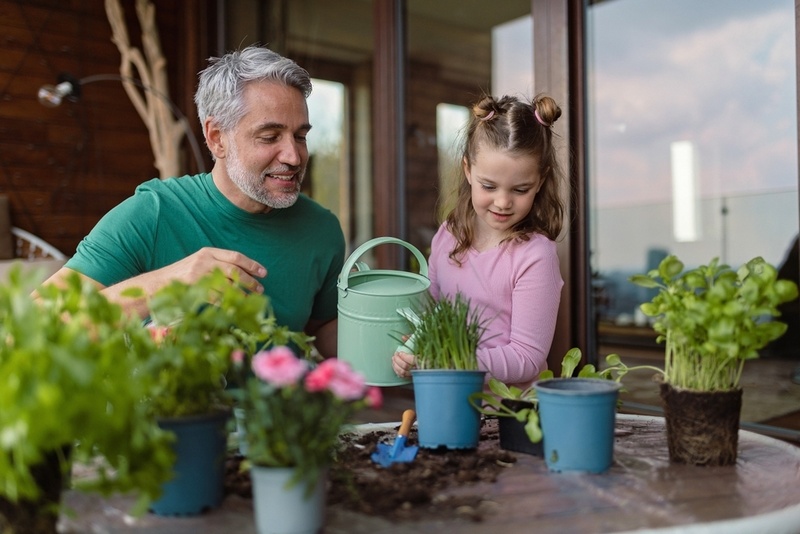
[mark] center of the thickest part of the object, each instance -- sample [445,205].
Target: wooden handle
[409,416]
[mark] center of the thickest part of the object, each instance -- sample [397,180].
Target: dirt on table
[403,491]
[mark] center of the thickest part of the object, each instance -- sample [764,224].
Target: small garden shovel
[387,454]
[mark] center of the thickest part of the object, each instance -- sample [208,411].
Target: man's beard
[253,185]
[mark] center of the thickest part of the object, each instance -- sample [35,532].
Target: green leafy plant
[194,329]
[445,334]
[713,319]
[71,365]
[491,403]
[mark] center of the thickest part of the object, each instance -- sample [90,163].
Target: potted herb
[194,328]
[444,337]
[518,419]
[517,409]
[294,413]
[72,388]
[711,319]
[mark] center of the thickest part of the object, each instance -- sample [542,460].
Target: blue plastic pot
[445,418]
[198,483]
[577,417]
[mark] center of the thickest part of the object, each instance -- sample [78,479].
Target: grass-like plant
[713,319]
[446,334]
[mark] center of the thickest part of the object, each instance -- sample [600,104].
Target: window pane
[692,143]
[333,42]
[457,51]
[327,179]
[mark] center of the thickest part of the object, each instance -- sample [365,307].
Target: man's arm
[188,270]
[327,335]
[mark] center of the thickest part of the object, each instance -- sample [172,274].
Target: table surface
[642,492]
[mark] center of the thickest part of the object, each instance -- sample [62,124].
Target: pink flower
[278,366]
[374,397]
[336,376]
[158,333]
[237,357]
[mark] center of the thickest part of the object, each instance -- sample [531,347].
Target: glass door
[692,151]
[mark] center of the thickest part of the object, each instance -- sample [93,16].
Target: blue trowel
[388,454]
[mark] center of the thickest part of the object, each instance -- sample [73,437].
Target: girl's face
[504,186]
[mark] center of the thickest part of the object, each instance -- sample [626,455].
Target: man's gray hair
[222,83]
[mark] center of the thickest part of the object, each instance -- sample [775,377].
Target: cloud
[726,85]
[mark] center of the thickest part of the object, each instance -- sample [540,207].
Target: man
[247,217]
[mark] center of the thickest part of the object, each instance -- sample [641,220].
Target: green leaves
[70,383]
[447,334]
[492,403]
[713,319]
[202,324]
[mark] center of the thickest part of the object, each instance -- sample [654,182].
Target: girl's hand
[402,363]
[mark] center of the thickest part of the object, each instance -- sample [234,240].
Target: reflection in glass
[327,177]
[706,87]
[450,123]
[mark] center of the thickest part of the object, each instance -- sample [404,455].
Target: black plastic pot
[512,432]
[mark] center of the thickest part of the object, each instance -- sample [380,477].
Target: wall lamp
[69,87]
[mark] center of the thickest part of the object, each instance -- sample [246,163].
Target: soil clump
[403,491]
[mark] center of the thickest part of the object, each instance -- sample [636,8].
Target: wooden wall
[63,168]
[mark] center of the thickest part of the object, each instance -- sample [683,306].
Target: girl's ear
[467,173]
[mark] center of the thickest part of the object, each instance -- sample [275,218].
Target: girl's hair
[222,83]
[521,128]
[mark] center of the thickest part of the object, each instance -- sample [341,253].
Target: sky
[719,74]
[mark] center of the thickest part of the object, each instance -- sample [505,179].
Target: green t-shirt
[302,247]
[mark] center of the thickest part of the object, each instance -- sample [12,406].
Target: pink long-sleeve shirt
[517,286]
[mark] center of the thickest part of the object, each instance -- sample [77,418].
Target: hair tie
[539,119]
[488,116]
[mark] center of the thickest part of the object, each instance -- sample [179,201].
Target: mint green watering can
[369,321]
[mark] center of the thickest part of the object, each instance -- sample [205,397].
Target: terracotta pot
[702,426]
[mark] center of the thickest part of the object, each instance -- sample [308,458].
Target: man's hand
[235,265]
[188,270]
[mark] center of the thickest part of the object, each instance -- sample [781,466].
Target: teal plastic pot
[577,417]
[445,418]
[199,473]
[369,322]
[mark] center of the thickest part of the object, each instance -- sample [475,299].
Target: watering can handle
[360,251]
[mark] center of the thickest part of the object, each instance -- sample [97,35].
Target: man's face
[267,153]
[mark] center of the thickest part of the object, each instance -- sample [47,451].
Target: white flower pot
[282,510]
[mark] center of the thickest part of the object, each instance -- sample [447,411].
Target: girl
[497,245]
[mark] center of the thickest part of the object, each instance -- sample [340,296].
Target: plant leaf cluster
[446,334]
[72,386]
[712,319]
[491,403]
[203,323]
